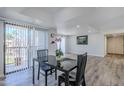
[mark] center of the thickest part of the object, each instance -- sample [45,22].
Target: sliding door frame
[4,49]
[29,46]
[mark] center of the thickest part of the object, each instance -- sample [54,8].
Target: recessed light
[78,26]
[89,31]
[37,21]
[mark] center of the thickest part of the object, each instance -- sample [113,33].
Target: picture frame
[82,40]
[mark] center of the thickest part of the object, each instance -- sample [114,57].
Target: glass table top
[63,64]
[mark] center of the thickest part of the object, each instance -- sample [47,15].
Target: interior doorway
[115,44]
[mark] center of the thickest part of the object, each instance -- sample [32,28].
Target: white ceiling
[90,20]
[43,16]
[69,20]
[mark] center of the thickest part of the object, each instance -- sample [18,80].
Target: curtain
[21,45]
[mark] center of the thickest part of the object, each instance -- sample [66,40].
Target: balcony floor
[13,67]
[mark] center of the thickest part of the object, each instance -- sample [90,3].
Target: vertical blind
[21,45]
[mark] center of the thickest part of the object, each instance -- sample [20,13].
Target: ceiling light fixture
[37,21]
[89,31]
[77,26]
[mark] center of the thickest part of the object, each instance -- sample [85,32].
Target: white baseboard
[88,54]
[96,55]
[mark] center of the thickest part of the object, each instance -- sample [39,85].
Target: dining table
[65,65]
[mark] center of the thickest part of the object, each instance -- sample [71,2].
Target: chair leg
[51,71]
[83,83]
[46,78]
[55,74]
[38,72]
[59,82]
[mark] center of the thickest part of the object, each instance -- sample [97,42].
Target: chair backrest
[81,64]
[42,55]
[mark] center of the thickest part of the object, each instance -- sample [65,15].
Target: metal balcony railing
[19,58]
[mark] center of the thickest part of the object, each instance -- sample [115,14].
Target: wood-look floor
[107,71]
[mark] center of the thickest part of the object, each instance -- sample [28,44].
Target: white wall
[63,44]
[95,45]
[1,49]
[51,47]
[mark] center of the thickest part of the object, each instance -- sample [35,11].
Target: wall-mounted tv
[82,40]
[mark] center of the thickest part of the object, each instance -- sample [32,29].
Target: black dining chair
[42,56]
[76,78]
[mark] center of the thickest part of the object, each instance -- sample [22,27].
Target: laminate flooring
[100,71]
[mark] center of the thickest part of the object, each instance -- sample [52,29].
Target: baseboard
[96,55]
[114,54]
[88,54]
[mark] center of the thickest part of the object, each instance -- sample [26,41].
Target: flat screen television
[82,40]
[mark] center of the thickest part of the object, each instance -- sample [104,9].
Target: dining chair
[76,78]
[42,56]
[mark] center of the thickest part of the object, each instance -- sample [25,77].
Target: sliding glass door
[21,44]
[38,39]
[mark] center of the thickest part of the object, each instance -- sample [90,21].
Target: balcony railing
[19,58]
